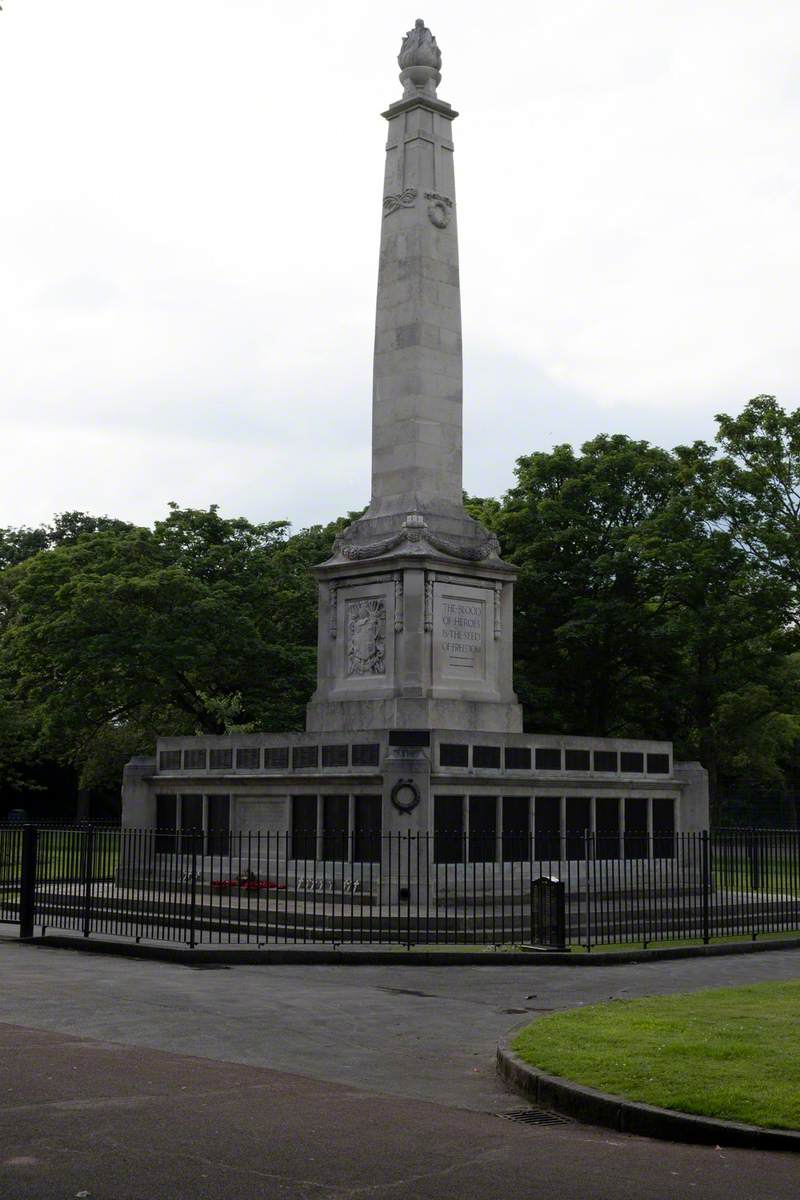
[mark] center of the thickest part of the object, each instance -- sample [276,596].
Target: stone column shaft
[417,381]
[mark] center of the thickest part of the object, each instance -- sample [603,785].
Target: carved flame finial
[419,48]
[420,60]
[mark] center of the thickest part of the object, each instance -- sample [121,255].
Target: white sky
[190,209]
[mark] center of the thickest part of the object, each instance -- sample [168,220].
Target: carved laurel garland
[373,550]
[403,199]
[498,616]
[489,548]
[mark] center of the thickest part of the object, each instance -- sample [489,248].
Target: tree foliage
[755,485]
[638,613]
[113,633]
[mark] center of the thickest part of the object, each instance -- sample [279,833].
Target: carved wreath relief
[366,637]
[439,209]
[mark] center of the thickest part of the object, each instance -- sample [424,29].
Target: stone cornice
[437,106]
[403,560]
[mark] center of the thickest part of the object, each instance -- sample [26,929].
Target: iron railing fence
[755,806]
[263,888]
[10,871]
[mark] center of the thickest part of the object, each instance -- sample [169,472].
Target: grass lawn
[60,854]
[725,1052]
[776,874]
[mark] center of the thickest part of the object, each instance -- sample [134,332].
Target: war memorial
[414,728]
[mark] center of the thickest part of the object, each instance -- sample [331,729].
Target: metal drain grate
[534,1116]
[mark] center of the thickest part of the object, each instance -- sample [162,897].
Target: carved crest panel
[366,637]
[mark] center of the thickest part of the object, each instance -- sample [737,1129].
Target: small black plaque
[365,754]
[453,754]
[409,737]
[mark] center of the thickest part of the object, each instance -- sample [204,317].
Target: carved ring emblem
[405,795]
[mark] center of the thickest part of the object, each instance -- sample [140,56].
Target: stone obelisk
[415,604]
[417,380]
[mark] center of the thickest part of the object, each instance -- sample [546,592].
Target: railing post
[754,856]
[27,883]
[408,890]
[587,859]
[706,851]
[531,914]
[193,903]
[88,872]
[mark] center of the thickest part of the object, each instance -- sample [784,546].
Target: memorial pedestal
[415,642]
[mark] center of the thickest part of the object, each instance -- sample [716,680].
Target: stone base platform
[328,794]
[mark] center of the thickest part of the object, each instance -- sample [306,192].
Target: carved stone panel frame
[463,626]
[367,617]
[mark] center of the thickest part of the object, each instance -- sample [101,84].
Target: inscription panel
[462,633]
[459,632]
[263,815]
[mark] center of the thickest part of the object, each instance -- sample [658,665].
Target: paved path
[319,1081]
[423,1032]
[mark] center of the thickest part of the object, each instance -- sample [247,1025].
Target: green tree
[755,485]
[18,544]
[636,614]
[723,617]
[589,646]
[115,635]
[757,727]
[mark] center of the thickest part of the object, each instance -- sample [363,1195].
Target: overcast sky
[190,210]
